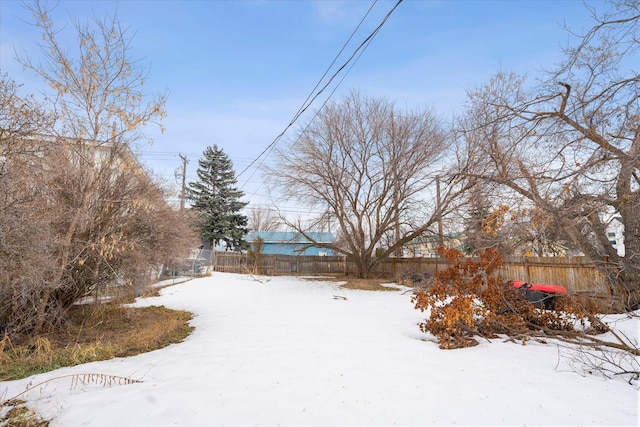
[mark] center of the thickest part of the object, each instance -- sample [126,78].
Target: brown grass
[375,284]
[20,416]
[92,333]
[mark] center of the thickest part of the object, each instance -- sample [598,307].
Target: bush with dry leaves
[470,299]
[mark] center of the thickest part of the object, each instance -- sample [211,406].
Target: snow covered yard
[286,352]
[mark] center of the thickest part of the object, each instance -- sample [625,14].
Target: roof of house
[433,238]
[616,218]
[290,237]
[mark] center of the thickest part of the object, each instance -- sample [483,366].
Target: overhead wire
[366,44]
[308,100]
[311,98]
[344,46]
[255,193]
[308,103]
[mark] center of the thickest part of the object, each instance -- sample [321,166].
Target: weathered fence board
[575,273]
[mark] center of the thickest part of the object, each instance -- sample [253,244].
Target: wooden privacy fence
[574,273]
[233,262]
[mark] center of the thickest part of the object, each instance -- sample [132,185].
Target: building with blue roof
[292,243]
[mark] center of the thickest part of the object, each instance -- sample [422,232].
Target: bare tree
[372,169]
[263,219]
[509,224]
[571,145]
[102,220]
[98,90]
[25,263]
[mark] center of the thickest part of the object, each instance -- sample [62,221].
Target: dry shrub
[78,217]
[470,299]
[108,246]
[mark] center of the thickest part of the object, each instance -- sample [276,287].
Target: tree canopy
[372,169]
[217,199]
[570,145]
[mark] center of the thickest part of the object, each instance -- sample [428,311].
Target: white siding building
[615,233]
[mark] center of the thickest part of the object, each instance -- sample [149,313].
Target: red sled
[539,294]
[540,287]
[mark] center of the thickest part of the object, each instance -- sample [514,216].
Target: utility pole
[184,180]
[439,203]
[396,186]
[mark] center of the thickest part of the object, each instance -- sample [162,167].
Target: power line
[366,44]
[172,155]
[255,193]
[306,105]
[309,100]
[357,53]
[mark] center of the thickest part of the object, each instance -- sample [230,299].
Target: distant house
[544,249]
[89,154]
[292,243]
[615,234]
[426,246]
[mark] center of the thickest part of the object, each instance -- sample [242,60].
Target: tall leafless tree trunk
[373,170]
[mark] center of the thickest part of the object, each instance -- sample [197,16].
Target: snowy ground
[286,352]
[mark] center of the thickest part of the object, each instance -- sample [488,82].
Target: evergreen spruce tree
[217,198]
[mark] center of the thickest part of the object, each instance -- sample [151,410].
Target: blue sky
[238,71]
